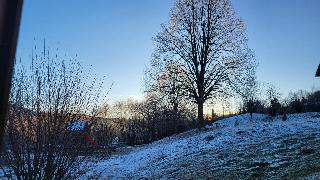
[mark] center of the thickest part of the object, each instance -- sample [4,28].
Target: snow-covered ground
[233,148]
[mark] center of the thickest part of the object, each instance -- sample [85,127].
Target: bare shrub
[43,102]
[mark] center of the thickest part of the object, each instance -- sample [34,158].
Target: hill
[235,147]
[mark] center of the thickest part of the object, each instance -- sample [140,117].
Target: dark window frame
[10,15]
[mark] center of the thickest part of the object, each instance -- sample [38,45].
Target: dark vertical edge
[10,15]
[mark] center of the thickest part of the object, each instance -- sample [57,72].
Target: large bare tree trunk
[200,114]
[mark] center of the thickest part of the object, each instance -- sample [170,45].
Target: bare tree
[247,88]
[170,87]
[44,102]
[272,93]
[124,109]
[273,97]
[104,110]
[207,41]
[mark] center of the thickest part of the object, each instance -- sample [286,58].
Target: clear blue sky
[115,37]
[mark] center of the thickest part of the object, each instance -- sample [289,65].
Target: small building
[80,133]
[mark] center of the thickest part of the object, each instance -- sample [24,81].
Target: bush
[43,102]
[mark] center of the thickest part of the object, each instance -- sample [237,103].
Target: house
[80,132]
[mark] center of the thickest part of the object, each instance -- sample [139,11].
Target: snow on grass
[235,147]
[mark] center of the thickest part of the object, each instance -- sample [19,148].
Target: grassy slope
[232,148]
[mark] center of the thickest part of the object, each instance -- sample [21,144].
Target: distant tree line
[148,120]
[295,102]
